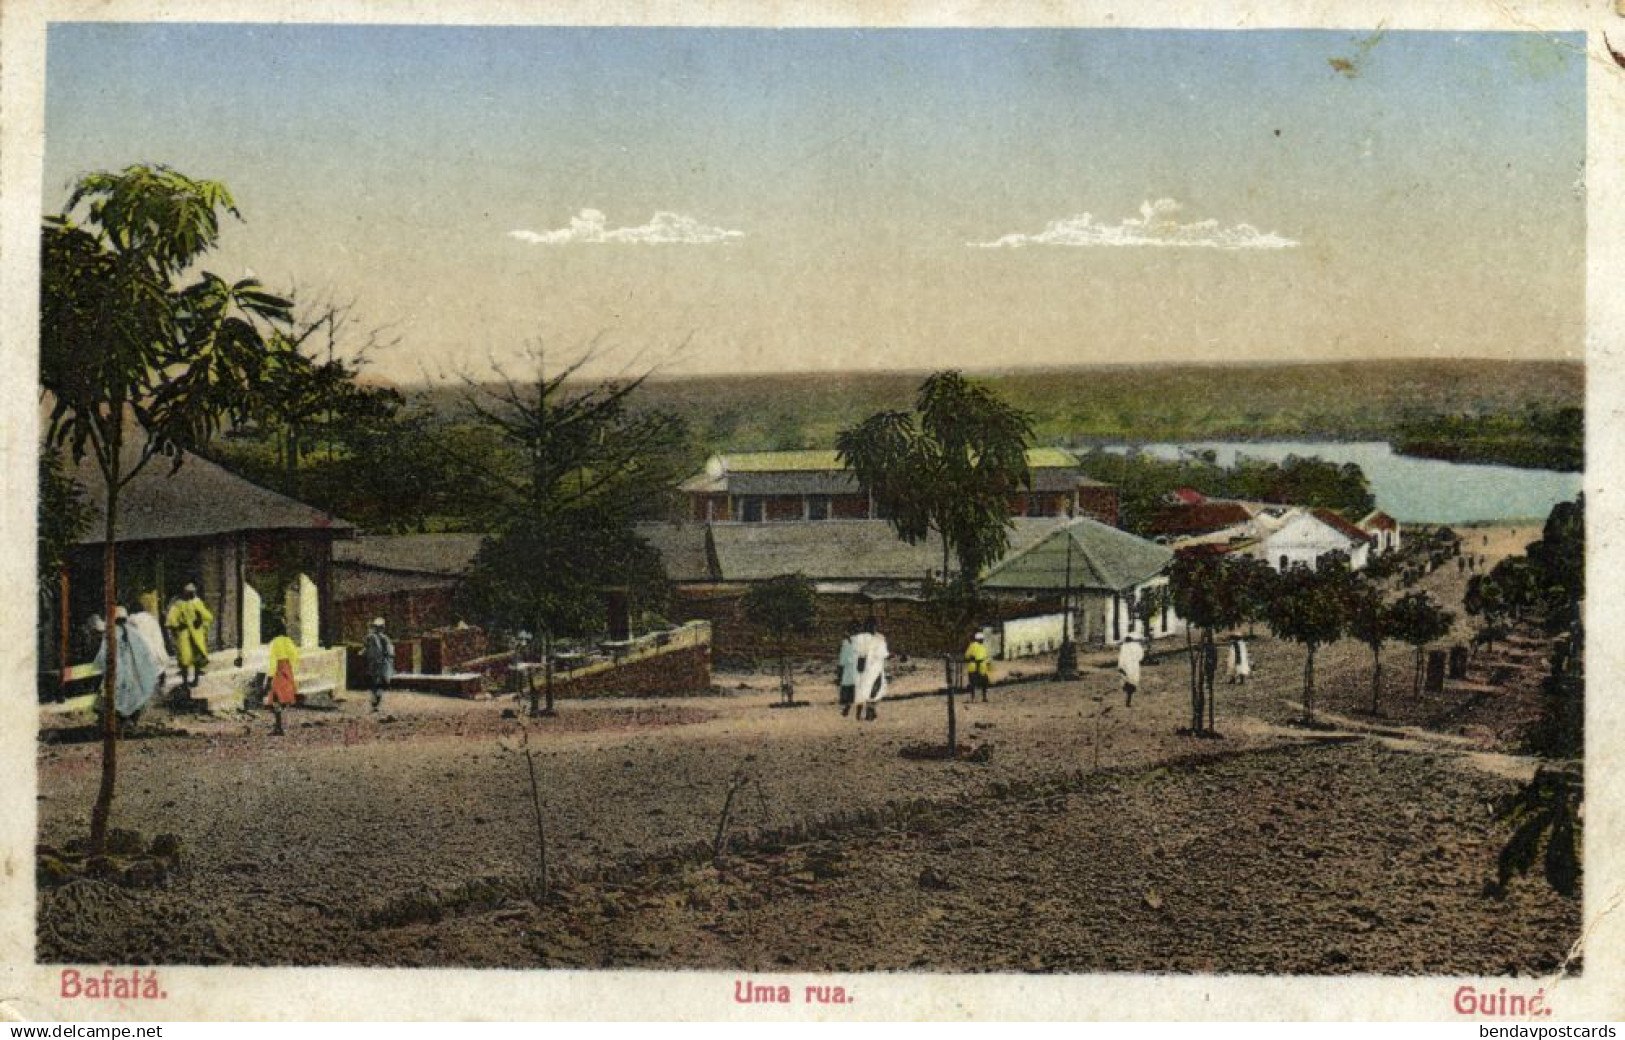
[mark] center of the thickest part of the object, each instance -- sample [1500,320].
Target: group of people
[860,672]
[143,654]
[1238,663]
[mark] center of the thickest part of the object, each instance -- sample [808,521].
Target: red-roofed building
[1195,518]
[1383,529]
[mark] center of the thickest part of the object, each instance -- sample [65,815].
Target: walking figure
[846,670]
[1241,666]
[871,649]
[379,652]
[978,667]
[188,621]
[1128,665]
[282,690]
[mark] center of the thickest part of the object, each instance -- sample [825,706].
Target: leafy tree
[1483,599]
[1210,592]
[1254,582]
[1416,619]
[949,468]
[786,606]
[1546,812]
[951,609]
[560,504]
[1311,607]
[1559,562]
[135,364]
[1547,825]
[1371,621]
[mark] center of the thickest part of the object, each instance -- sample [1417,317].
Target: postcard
[812,511]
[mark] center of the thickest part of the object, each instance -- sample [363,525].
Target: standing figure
[978,667]
[871,650]
[137,670]
[379,652]
[188,622]
[1128,665]
[282,690]
[846,669]
[144,623]
[1241,666]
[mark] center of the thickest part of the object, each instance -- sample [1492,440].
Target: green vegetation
[558,503]
[1535,438]
[1363,400]
[140,355]
[786,606]
[1144,482]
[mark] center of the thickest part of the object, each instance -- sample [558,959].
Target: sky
[752,200]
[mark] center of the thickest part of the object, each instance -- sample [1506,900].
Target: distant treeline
[1353,400]
[1144,483]
[1534,438]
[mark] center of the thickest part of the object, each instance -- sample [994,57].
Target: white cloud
[1155,226]
[665,228]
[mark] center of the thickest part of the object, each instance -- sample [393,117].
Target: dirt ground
[1093,837]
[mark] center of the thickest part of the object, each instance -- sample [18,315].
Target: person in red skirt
[283,689]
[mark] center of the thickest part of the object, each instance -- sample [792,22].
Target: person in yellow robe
[978,667]
[189,621]
[282,689]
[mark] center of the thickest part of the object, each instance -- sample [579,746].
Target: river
[1415,490]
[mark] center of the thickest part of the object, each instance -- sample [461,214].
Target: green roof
[781,461]
[1089,554]
[812,459]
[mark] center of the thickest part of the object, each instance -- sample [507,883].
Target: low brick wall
[735,639]
[407,610]
[683,670]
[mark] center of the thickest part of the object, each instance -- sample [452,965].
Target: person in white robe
[1128,665]
[145,623]
[846,671]
[138,671]
[1241,665]
[871,650]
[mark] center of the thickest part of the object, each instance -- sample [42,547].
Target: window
[817,507]
[750,510]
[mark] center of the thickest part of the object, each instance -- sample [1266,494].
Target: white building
[1383,529]
[1309,536]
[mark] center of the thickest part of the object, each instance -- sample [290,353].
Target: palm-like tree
[135,364]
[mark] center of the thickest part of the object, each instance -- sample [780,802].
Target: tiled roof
[198,500]
[1085,554]
[817,471]
[1199,518]
[1341,526]
[1378,521]
[839,550]
[682,548]
[448,555]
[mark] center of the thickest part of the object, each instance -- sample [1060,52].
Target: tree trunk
[1196,681]
[1309,684]
[547,674]
[1416,678]
[1376,679]
[1212,698]
[102,812]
